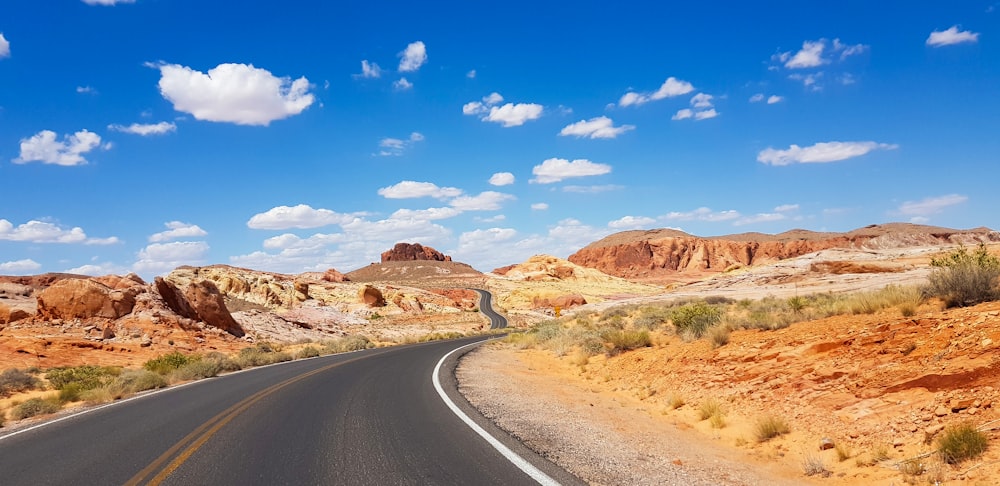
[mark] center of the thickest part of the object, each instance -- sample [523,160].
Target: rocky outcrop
[199,300]
[84,299]
[371,296]
[562,301]
[332,275]
[546,268]
[9,315]
[406,252]
[648,254]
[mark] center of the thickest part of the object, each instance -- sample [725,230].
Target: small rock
[854,434]
[897,443]
[933,429]
[959,405]
[941,412]
[146,341]
[826,443]
[986,342]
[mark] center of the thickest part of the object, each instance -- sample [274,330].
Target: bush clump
[260,356]
[307,352]
[962,278]
[33,407]
[14,380]
[960,443]
[695,318]
[345,344]
[619,341]
[80,378]
[167,363]
[769,427]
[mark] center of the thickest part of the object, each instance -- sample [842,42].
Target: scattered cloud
[164,257]
[702,108]
[145,129]
[809,81]
[233,93]
[701,214]
[19,266]
[99,269]
[414,189]
[566,237]
[395,146]
[85,90]
[300,216]
[414,56]
[930,205]
[485,201]
[107,3]
[555,170]
[502,179]
[683,114]
[593,189]
[509,115]
[43,147]
[369,70]
[631,222]
[817,53]
[820,152]
[492,219]
[430,214]
[759,218]
[774,99]
[784,208]
[471,74]
[702,100]
[4,46]
[539,206]
[757,98]
[920,220]
[402,84]
[670,88]
[951,36]
[599,127]
[44,232]
[176,230]
[705,114]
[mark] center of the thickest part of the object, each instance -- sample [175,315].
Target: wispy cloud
[670,88]
[555,170]
[820,152]
[599,127]
[951,36]
[145,129]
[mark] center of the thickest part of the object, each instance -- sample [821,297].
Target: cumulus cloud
[145,129]
[98,269]
[509,115]
[45,148]
[414,189]
[539,206]
[820,152]
[930,205]
[774,99]
[702,108]
[402,84]
[300,216]
[502,179]
[163,257]
[19,266]
[555,170]
[599,127]
[86,90]
[44,232]
[812,53]
[176,230]
[759,218]
[701,214]
[479,246]
[951,36]
[234,93]
[670,88]
[107,3]
[414,56]
[702,100]
[706,114]
[631,222]
[485,201]
[369,70]
[683,114]
[4,46]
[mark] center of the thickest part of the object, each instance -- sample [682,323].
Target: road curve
[497,321]
[370,417]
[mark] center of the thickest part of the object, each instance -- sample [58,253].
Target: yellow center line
[205,431]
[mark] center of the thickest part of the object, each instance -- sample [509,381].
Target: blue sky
[142,135]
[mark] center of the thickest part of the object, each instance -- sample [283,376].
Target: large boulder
[199,300]
[407,252]
[561,301]
[332,275]
[9,315]
[84,299]
[371,296]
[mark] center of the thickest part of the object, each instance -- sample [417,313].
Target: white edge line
[511,456]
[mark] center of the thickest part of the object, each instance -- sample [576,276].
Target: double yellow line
[197,438]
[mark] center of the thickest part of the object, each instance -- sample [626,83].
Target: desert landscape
[644,358]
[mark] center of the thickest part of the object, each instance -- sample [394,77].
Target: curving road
[370,417]
[497,321]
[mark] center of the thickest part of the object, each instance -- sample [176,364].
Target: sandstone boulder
[84,299]
[9,315]
[371,296]
[200,300]
[406,252]
[562,301]
[332,275]
[301,290]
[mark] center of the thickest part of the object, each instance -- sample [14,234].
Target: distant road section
[486,307]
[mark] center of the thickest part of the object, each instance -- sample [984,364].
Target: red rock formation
[371,296]
[200,300]
[461,298]
[8,315]
[562,301]
[332,275]
[406,252]
[84,299]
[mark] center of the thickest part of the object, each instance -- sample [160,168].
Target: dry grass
[709,408]
[769,427]
[813,466]
[843,451]
[960,443]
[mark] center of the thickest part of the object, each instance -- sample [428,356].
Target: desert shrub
[619,312]
[797,304]
[675,401]
[197,370]
[353,342]
[70,393]
[708,408]
[717,421]
[912,468]
[3,417]
[33,407]
[695,318]
[769,427]
[14,380]
[167,363]
[843,451]
[86,377]
[814,466]
[618,341]
[256,356]
[962,278]
[718,335]
[961,442]
[718,299]
[651,317]
[440,336]
[547,330]
[134,381]
[307,352]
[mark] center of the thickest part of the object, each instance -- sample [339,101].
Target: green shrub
[961,278]
[619,312]
[307,352]
[354,342]
[14,380]
[196,370]
[695,318]
[33,407]
[619,341]
[797,304]
[70,393]
[960,443]
[167,363]
[86,377]
[134,381]
[769,427]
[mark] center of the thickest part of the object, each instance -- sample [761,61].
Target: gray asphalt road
[486,307]
[371,417]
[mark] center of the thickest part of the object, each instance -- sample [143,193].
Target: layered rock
[9,315]
[404,252]
[199,300]
[84,299]
[561,301]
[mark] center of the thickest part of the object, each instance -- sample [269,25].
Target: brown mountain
[666,254]
[408,252]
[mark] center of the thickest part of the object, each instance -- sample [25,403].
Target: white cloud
[820,152]
[555,170]
[810,81]
[848,50]
[44,232]
[930,205]
[757,98]
[396,146]
[107,3]
[4,46]
[235,93]
[485,201]
[369,70]
[300,216]
[951,36]
[811,55]
[784,208]
[414,189]
[599,127]
[920,220]
[429,214]
[43,147]
[702,100]
[492,219]
[759,218]
[683,114]
[513,115]
[145,129]
[593,189]
[479,246]
[85,90]
[402,84]
[670,88]
[774,99]
[473,108]
[702,214]
[163,257]
[19,266]
[539,206]
[706,114]
[471,74]
[176,230]
[631,222]
[493,98]
[98,269]
[502,179]
[414,56]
